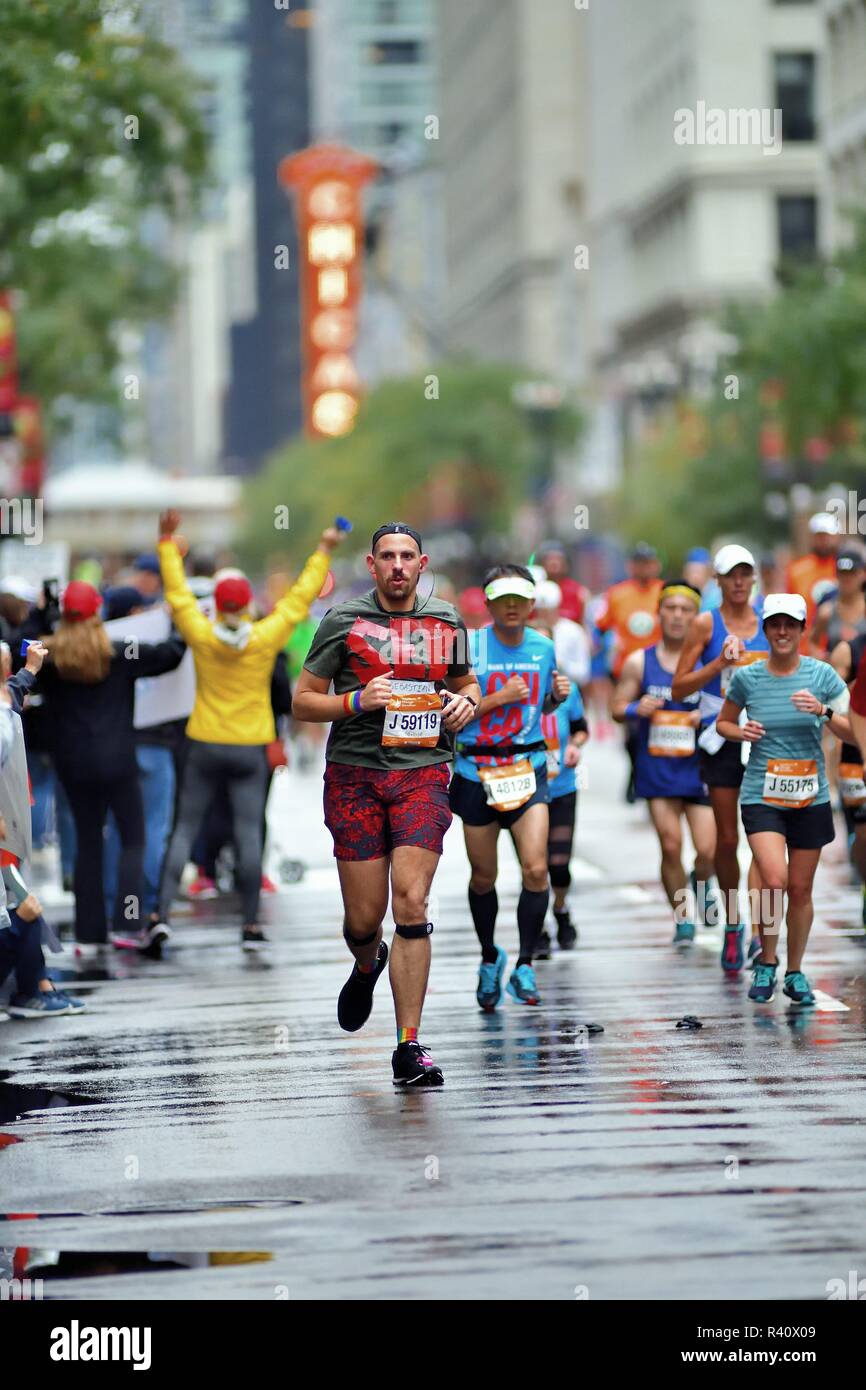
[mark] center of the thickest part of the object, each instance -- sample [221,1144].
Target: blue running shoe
[489,991]
[522,986]
[52,1004]
[797,987]
[754,949]
[763,983]
[732,949]
[684,933]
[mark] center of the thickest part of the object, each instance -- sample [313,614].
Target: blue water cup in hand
[24,645]
[342,523]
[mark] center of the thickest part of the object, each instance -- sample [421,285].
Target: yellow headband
[679,591]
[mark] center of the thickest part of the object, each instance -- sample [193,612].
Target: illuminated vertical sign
[327,181]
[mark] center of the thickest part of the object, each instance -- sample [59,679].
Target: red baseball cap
[80,601]
[233,594]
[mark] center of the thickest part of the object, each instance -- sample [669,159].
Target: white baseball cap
[548,595]
[792,605]
[824,523]
[731,555]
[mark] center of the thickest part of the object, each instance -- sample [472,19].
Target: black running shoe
[413,1066]
[254,941]
[566,932]
[356,996]
[542,949]
[153,938]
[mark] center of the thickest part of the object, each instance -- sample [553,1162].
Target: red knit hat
[80,601]
[233,594]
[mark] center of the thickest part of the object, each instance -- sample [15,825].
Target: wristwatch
[827,713]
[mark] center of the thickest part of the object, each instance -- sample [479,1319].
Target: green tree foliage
[102,142]
[799,416]
[467,457]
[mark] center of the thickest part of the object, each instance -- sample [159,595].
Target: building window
[795,94]
[798,227]
[396,51]
[387,12]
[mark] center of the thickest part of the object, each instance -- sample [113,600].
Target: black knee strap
[359,940]
[412,933]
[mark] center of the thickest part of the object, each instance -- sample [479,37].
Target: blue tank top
[665,772]
[713,694]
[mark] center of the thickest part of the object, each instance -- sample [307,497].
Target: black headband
[396,528]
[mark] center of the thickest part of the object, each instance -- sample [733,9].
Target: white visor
[510,584]
[792,605]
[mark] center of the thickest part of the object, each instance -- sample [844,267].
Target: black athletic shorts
[811,827]
[723,769]
[470,804]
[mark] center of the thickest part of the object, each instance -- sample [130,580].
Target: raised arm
[189,620]
[276,629]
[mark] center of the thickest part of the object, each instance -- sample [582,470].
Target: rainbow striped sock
[405,1035]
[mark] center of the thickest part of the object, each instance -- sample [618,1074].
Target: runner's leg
[802,864]
[530,834]
[562,813]
[725,803]
[665,814]
[364,886]
[769,849]
[412,870]
[702,827]
[481,849]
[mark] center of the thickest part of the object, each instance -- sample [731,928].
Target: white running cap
[731,555]
[548,595]
[792,605]
[824,524]
[510,584]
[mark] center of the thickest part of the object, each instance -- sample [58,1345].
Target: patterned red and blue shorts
[370,811]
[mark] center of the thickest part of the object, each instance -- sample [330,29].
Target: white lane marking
[826,1004]
[630,893]
[709,940]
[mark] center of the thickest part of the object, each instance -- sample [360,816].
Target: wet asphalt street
[229,1114]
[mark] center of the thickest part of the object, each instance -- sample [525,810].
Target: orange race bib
[852,787]
[508,786]
[727,673]
[791,782]
[671,733]
[413,715]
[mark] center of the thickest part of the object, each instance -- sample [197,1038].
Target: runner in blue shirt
[718,642]
[785,798]
[500,775]
[565,731]
[667,768]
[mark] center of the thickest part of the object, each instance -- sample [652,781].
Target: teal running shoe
[754,949]
[684,933]
[522,985]
[733,957]
[797,987]
[489,991]
[763,983]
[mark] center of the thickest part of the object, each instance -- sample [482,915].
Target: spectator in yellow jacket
[231,723]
